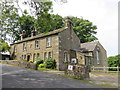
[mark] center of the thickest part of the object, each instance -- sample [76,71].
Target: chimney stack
[33,33]
[68,22]
[23,35]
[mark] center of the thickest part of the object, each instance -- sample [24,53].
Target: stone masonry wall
[79,71]
[19,63]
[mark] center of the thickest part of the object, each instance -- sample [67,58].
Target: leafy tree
[84,29]
[48,22]
[26,23]
[8,20]
[38,7]
[114,61]
[4,47]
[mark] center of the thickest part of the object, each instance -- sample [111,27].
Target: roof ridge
[42,35]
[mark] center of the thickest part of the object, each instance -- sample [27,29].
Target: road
[16,77]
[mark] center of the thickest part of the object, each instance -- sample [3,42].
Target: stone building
[55,44]
[97,54]
[63,45]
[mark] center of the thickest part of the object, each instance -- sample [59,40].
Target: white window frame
[24,46]
[48,42]
[68,57]
[97,57]
[65,56]
[36,43]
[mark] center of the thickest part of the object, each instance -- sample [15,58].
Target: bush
[50,63]
[113,61]
[38,61]
[41,65]
[30,61]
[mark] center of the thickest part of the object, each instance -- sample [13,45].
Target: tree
[8,20]
[12,24]
[26,23]
[48,22]
[114,61]
[84,29]
[4,47]
[38,6]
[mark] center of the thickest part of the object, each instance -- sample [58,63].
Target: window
[68,57]
[65,56]
[97,57]
[24,46]
[48,42]
[23,56]
[34,57]
[37,44]
[45,56]
[38,55]
[50,55]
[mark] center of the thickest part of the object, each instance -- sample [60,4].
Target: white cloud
[103,13]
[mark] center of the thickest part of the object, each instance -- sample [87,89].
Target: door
[28,57]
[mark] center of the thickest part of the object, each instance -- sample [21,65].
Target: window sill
[37,48]
[48,46]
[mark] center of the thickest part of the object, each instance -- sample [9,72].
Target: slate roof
[90,46]
[82,50]
[42,35]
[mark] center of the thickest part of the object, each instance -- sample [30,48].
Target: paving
[16,77]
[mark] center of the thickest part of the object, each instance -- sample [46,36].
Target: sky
[103,14]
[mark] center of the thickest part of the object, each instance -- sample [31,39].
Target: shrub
[38,61]
[30,61]
[41,65]
[50,63]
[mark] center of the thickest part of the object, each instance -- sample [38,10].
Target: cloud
[103,13]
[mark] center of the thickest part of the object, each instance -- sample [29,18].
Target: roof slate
[90,46]
[42,35]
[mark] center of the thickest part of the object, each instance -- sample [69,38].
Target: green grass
[113,72]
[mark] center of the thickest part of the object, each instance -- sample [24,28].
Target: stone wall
[19,63]
[78,71]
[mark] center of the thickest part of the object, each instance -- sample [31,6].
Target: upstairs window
[24,46]
[37,44]
[48,42]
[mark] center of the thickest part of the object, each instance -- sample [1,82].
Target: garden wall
[78,71]
[19,63]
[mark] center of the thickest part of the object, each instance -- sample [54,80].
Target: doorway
[28,57]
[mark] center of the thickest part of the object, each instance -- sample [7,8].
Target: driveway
[16,77]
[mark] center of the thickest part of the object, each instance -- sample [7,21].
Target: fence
[105,69]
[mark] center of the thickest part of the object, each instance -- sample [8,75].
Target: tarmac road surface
[16,77]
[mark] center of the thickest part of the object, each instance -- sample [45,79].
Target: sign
[70,67]
[74,60]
